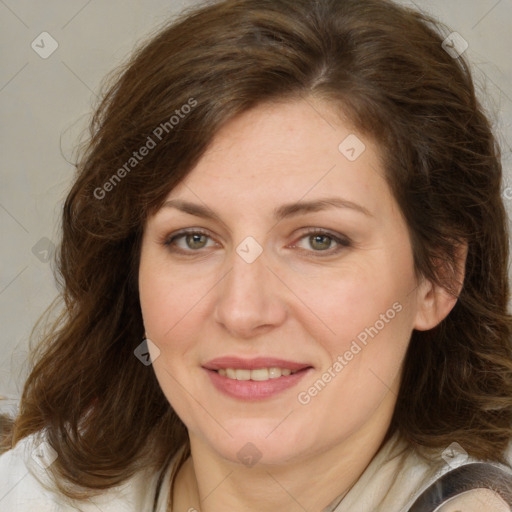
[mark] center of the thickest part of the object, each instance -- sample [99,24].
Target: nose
[249,299]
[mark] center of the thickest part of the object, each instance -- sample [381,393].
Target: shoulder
[465,484]
[20,488]
[406,481]
[477,500]
[26,484]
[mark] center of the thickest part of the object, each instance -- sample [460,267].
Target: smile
[259,374]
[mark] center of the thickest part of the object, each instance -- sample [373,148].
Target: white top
[390,483]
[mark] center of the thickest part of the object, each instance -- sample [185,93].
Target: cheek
[156,295]
[163,296]
[174,307]
[365,327]
[351,298]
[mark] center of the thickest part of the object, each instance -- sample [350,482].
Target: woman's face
[295,257]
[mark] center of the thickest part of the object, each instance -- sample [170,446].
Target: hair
[383,67]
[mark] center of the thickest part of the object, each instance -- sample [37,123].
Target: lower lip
[252,389]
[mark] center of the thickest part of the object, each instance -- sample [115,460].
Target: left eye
[321,241]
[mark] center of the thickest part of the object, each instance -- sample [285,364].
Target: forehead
[283,152]
[275,133]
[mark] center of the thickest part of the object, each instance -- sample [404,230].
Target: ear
[434,303]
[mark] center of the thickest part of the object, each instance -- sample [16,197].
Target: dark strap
[465,478]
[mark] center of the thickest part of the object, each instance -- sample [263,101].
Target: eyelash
[341,241]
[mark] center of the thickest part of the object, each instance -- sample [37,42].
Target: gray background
[45,106]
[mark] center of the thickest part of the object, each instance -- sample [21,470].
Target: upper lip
[253,364]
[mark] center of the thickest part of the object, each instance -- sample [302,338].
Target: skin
[297,301]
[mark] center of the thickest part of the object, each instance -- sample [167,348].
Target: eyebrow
[280,213]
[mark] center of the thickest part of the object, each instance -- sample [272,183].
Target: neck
[319,481]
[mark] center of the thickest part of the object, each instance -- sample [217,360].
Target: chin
[250,446]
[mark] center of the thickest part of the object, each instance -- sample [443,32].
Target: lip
[253,364]
[251,390]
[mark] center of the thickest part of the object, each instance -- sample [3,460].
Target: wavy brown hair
[384,67]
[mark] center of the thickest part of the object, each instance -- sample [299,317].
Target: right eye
[188,241]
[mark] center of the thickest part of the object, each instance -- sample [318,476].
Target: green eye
[320,242]
[316,241]
[196,241]
[189,241]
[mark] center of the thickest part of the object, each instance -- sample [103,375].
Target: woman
[285,278]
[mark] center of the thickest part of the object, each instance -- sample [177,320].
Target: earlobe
[435,302]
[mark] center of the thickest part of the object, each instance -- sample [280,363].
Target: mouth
[254,378]
[259,374]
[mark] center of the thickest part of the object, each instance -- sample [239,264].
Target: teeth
[258,374]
